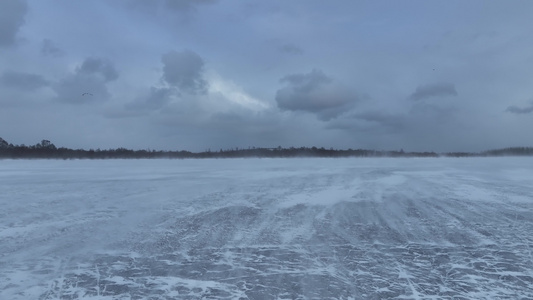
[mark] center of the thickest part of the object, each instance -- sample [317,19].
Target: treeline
[45,149]
[519,151]
[511,151]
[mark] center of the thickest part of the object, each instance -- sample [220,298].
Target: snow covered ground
[351,228]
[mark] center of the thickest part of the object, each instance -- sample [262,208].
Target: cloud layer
[12,14]
[23,81]
[198,74]
[434,90]
[184,70]
[92,77]
[520,110]
[49,48]
[316,93]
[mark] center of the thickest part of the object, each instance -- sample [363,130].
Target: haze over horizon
[194,75]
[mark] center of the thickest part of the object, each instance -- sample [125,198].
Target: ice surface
[354,228]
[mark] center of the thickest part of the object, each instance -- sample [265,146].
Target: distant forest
[45,149]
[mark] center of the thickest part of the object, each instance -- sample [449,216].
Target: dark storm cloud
[169,5]
[422,120]
[156,99]
[253,129]
[12,13]
[72,88]
[433,90]
[91,77]
[184,70]
[182,73]
[517,110]
[392,121]
[50,49]
[291,49]
[230,129]
[23,81]
[185,5]
[93,66]
[314,92]
[375,122]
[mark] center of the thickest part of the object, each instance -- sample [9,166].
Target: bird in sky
[86,94]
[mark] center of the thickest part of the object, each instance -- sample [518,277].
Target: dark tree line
[45,149]
[516,151]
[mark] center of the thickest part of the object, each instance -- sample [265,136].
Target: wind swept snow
[354,228]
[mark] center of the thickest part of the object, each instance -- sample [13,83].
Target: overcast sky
[210,74]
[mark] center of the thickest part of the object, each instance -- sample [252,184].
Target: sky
[220,74]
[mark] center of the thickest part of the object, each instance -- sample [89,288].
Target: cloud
[50,49]
[291,49]
[91,77]
[433,90]
[23,81]
[186,5]
[314,92]
[71,89]
[98,66]
[182,6]
[421,118]
[184,70]
[391,121]
[156,99]
[232,93]
[224,130]
[12,13]
[373,122]
[517,110]
[222,97]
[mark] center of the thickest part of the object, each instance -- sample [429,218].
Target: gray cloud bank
[316,93]
[49,48]
[92,76]
[100,67]
[180,6]
[183,77]
[248,78]
[184,5]
[433,90]
[517,110]
[23,81]
[291,49]
[154,100]
[184,70]
[12,13]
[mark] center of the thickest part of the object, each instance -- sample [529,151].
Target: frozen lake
[350,228]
